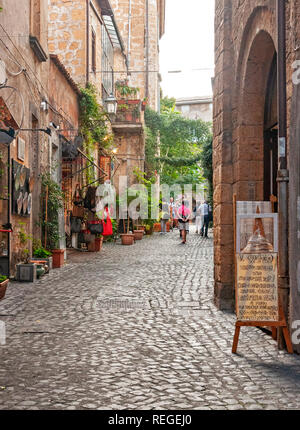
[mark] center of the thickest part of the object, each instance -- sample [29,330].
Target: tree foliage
[207,164]
[174,145]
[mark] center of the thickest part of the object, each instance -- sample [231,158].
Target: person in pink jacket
[184,215]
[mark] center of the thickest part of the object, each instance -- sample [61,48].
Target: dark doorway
[271,134]
[270,163]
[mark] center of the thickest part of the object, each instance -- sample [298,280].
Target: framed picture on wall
[21,196]
[21,149]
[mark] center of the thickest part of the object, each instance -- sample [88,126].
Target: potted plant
[125,92]
[26,271]
[58,258]
[3,285]
[41,255]
[96,245]
[144,104]
[157,227]
[53,199]
[149,228]
[138,234]
[127,238]
[136,114]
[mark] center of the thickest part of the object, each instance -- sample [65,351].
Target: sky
[188,44]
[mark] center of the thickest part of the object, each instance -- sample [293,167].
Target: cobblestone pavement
[135,328]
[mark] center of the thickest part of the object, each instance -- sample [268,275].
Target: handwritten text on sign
[257,290]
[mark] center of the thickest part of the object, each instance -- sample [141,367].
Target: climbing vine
[207,165]
[52,202]
[93,126]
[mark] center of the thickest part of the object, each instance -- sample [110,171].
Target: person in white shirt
[199,219]
[204,209]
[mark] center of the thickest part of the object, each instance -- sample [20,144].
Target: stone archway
[255,112]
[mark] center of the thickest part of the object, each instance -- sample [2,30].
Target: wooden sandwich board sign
[257,301]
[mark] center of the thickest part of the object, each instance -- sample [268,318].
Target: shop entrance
[271,134]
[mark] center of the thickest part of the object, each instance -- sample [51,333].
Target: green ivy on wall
[52,193]
[93,126]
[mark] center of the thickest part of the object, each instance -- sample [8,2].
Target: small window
[94,62]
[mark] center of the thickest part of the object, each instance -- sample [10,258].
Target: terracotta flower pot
[96,245]
[138,234]
[157,227]
[127,239]
[3,286]
[58,256]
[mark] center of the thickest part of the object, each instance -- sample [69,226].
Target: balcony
[128,117]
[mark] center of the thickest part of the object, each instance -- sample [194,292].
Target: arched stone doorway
[255,154]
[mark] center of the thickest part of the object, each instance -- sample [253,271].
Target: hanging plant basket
[3,286]
[127,239]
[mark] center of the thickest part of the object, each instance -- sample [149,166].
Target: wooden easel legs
[287,339]
[236,338]
[274,325]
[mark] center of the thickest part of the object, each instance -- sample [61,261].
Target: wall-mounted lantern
[111,105]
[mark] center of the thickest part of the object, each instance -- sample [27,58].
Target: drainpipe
[147,48]
[283,173]
[87,41]
[129,36]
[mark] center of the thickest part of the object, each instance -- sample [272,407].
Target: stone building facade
[25,67]
[36,92]
[246,127]
[58,47]
[196,108]
[141,24]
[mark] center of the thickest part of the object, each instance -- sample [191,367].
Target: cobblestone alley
[135,328]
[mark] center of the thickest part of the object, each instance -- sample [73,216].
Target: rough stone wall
[222,157]
[96,26]
[201,111]
[64,99]
[246,40]
[130,156]
[33,86]
[137,52]
[294,168]
[153,54]
[67,35]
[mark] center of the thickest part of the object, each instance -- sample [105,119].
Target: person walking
[184,215]
[172,212]
[199,219]
[205,213]
[164,217]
